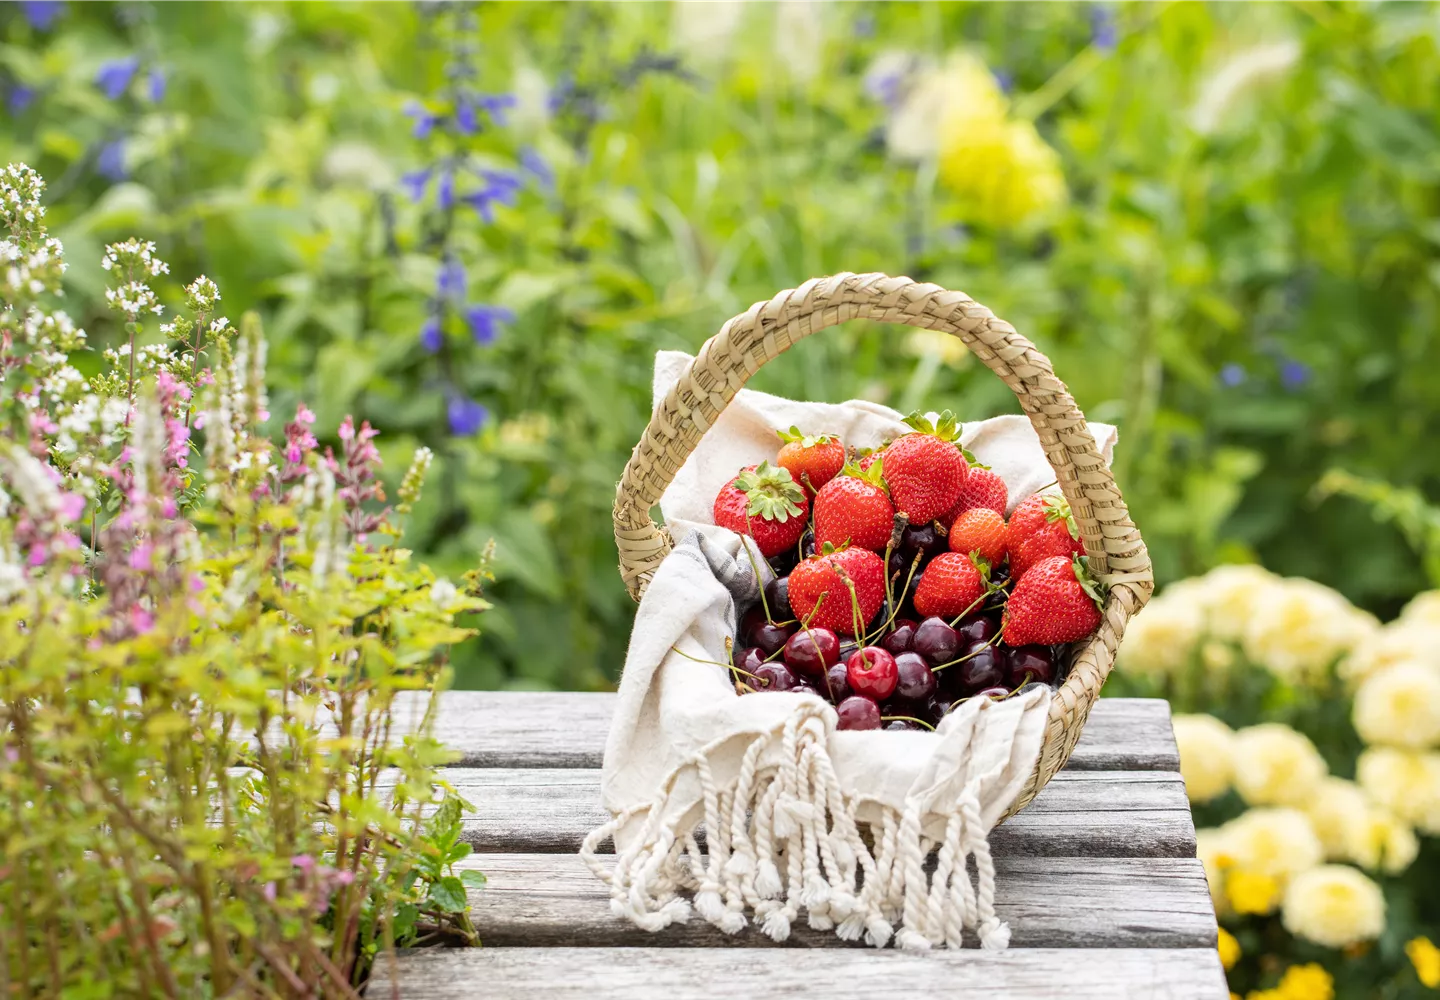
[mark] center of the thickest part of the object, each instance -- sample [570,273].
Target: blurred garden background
[474,224]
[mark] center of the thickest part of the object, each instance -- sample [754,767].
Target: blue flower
[114,76]
[111,160]
[466,120]
[500,186]
[155,85]
[430,335]
[41,13]
[416,182]
[1233,375]
[1102,27]
[1004,80]
[560,93]
[865,26]
[485,321]
[1294,374]
[445,190]
[496,105]
[534,164]
[19,98]
[450,283]
[424,120]
[466,416]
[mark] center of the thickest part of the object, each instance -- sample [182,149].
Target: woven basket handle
[767,329]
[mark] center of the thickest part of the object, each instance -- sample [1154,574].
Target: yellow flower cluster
[1426,958]
[1300,982]
[1406,782]
[1280,766]
[1000,169]
[1298,628]
[1206,753]
[1333,905]
[1400,706]
[1352,827]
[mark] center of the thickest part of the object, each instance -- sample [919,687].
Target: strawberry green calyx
[971,460]
[795,435]
[1092,587]
[772,492]
[874,475]
[947,428]
[1058,508]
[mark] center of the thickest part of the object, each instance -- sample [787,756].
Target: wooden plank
[1079,813]
[778,974]
[532,729]
[554,900]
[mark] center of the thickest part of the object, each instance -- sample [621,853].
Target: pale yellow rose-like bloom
[1423,609]
[1379,842]
[1305,982]
[962,90]
[1228,595]
[1205,755]
[1275,765]
[1399,642]
[1229,949]
[1406,782]
[1334,808]
[1001,171]
[1299,628]
[1275,842]
[1215,858]
[1400,707]
[1333,905]
[1160,639]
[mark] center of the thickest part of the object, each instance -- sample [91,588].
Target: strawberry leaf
[1093,587]
[794,434]
[946,428]
[917,421]
[772,493]
[971,460]
[874,475]
[1057,508]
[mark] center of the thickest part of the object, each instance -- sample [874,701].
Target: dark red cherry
[847,649]
[872,673]
[900,725]
[777,596]
[857,712]
[992,692]
[922,538]
[984,669]
[772,638]
[747,659]
[1034,663]
[773,677]
[837,683]
[901,637]
[812,651]
[936,641]
[914,679]
[804,689]
[977,628]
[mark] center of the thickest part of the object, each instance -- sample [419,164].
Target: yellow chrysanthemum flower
[1275,765]
[1001,171]
[1159,641]
[1210,849]
[1400,706]
[1275,842]
[1307,982]
[1398,642]
[1229,949]
[1332,810]
[962,89]
[1205,754]
[1251,892]
[1426,959]
[1333,905]
[1378,841]
[1229,594]
[1405,782]
[1298,628]
[1423,609]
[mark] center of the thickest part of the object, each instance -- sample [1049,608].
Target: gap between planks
[781,974]
[554,900]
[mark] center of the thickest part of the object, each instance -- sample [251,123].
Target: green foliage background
[1305,229]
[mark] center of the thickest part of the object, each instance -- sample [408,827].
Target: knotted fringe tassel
[784,838]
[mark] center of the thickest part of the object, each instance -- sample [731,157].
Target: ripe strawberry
[980,531]
[812,459]
[854,507]
[821,597]
[1057,601]
[951,586]
[766,504]
[1052,539]
[870,457]
[1032,513]
[925,470]
[983,488]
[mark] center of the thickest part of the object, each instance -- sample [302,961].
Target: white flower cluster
[20,190]
[149,358]
[134,255]
[53,329]
[133,299]
[201,294]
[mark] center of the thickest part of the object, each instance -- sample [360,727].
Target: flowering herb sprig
[459,175]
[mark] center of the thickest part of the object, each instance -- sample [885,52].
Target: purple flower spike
[466,416]
[416,182]
[19,98]
[485,321]
[1102,27]
[1233,375]
[496,105]
[42,13]
[466,120]
[534,164]
[499,187]
[1294,374]
[445,190]
[450,283]
[423,119]
[114,76]
[430,336]
[155,84]
[110,163]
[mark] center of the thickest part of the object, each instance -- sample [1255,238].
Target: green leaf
[448,895]
[473,879]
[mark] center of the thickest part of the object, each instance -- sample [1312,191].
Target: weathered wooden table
[1097,879]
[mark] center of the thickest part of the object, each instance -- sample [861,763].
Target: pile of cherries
[904,673]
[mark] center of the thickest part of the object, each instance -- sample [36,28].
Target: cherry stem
[894,607]
[906,718]
[764,604]
[988,644]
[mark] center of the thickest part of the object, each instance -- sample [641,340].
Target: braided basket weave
[766,329]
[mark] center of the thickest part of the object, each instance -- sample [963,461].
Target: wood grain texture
[1078,814]
[532,729]
[553,900]
[782,974]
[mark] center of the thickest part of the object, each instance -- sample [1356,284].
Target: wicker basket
[728,359]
